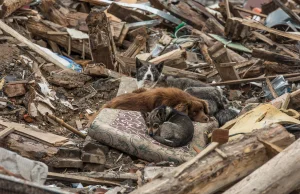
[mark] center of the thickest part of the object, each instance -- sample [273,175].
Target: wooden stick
[196,149]
[254,64]
[227,9]
[80,179]
[6,132]
[67,126]
[32,46]
[273,92]
[257,79]
[221,153]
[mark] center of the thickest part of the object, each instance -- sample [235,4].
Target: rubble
[62,60]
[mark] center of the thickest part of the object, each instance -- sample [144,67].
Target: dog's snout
[148,76]
[206,119]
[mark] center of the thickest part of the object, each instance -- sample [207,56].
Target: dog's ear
[145,115]
[138,63]
[160,66]
[205,107]
[182,107]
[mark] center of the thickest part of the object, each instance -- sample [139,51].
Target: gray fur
[217,102]
[214,96]
[225,115]
[181,83]
[170,127]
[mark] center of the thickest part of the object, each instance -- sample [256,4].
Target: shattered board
[126,131]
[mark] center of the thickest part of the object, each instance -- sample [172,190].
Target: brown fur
[146,101]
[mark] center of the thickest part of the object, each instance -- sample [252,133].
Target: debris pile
[100,96]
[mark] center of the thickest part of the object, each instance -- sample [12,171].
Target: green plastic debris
[229,44]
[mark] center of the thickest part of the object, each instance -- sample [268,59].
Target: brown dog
[146,101]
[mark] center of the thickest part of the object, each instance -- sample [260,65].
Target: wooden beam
[257,25]
[212,173]
[220,55]
[283,169]
[81,179]
[271,42]
[9,6]
[274,57]
[101,40]
[32,46]
[126,14]
[6,132]
[40,28]
[257,79]
[175,54]
[249,11]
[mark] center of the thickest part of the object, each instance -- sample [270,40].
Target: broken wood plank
[142,31]
[212,173]
[215,26]
[42,27]
[101,71]
[194,15]
[152,10]
[236,30]
[9,6]
[6,132]
[101,40]
[287,167]
[271,42]
[117,176]
[220,55]
[32,46]
[49,8]
[134,49]
[135,25]
[257,25]
[44,137]
[204,51]
[249,11]
[274,57]
[67,126]
[269,84]
[81,179]
[175,54]
[258,79]
[126,14]
[117,29]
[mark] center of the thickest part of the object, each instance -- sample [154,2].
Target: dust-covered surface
[199,42]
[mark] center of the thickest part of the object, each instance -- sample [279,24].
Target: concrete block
[30,170]
[127,85]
